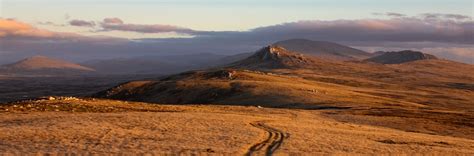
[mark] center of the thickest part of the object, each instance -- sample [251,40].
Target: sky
[85,29]
[222,14]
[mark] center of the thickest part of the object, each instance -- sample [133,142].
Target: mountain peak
[273,56]
[44,64]
[400,57]
[272,52]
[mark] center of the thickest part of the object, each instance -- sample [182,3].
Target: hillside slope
[433,90]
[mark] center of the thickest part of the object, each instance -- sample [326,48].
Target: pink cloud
[113,21]
[10,28]
[16,31]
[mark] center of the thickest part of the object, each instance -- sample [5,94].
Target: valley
[14,88]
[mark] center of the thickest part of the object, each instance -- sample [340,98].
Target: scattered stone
[210,150]
[442,142]
[69,98]
[228,74]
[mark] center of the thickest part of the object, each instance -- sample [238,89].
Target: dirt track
[271,143]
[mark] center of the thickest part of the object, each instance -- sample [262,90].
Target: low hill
[235,87]
[44,66]
[323,49]
[400,57]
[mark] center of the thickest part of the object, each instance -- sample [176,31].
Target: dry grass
[195,129]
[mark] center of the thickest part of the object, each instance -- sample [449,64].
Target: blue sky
[221,14]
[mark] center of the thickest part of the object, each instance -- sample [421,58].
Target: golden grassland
[93,126]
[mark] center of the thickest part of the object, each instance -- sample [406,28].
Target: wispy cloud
[82,23]
[439,16]
[390,14]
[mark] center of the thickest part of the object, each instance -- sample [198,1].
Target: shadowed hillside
[400,57]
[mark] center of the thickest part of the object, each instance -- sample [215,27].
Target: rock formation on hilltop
[273,57]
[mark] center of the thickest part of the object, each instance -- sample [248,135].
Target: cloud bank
[402,29]
[141,28]
[429,27]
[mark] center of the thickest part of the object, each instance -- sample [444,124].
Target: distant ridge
[400,57]
[323,49]
[44,65]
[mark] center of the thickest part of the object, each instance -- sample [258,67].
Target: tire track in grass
[271,143]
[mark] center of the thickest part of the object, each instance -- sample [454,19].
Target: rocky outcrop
[271,57]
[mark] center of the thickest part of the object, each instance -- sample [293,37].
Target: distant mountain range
[295,53]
